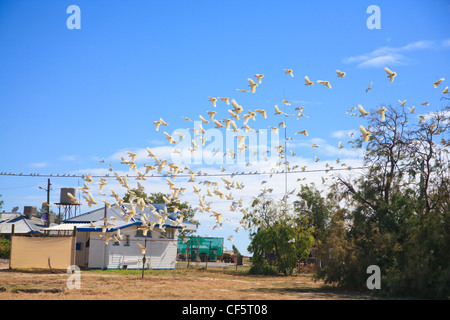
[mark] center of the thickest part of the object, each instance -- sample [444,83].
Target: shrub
[5,248]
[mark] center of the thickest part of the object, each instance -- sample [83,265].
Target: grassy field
[178,284]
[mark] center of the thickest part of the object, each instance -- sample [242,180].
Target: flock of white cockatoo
[222,188]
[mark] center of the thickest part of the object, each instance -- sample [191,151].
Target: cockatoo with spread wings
[365,133]
[259,77]
[362,111]
[437,83]
[340,74]
[252,85]
[391,74]
[325,83]
[289,71]
[381,111]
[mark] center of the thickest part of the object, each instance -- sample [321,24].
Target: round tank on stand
[64,198]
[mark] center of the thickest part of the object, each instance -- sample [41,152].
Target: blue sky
[69,98]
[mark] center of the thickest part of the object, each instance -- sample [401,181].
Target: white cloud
[306,102]
[392,59]
[344,152]
[341,133]
[157,142]
[388,55]
[142,155]
[38,164]
[429,115]
[329,150]
[69,158]
[417,45]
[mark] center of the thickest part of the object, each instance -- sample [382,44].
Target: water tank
[29,211]
[64,198]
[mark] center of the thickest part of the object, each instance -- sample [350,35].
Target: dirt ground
[178,284]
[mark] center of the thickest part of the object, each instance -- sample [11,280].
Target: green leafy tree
[137,193]
[336,252]
[5,245]
[279,238]
[314,207]
[396,214]
[5,248]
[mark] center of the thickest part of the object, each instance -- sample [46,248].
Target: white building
[94,228]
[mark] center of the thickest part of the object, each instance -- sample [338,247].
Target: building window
[140,233]
[127,240]
[169,234]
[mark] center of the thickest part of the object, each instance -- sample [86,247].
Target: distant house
[98,244]
[24,223]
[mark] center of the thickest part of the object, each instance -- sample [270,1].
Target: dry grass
[192,284]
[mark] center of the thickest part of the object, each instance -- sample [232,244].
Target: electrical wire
[183,175]
[21,187]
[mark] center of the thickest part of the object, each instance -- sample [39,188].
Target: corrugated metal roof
[66,227]
[114,211]
[21,224]
[96,216]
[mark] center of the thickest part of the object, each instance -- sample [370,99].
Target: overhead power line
[203,174]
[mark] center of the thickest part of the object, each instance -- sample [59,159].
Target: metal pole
[285,167]
[143,259]
[104,247]
[207,256]
[187,253]
[285,151]
[285,155]
[48,203]
[10,251]
[74,241]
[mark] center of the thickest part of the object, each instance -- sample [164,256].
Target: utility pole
[48,203]
[144,259]
[285,155]
[187,253]
[104,247]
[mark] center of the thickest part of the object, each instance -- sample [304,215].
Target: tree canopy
[279,237]
[396,215]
